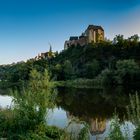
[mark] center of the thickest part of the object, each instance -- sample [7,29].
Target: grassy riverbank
[79,83]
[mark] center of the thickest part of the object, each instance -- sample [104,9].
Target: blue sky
[28,26]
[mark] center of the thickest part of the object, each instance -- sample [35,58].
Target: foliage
[79,83]
[133,109]
[115,132]
[107,77]
[127,71]
[27,119]
[17,73]
[57,71]
[84,133]
[137,133]
[134,114]
[68,70]
[119,39]
[73,134]
[92,69]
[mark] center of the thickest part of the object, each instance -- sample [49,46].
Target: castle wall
[100,35]
[92,34]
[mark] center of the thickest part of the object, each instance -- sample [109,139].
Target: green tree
[115,130]
[68,70]
[27,118]
[133,110]
[127,71]
[58,72]
[92,69]
[119,39]
[107,77]
[134,38]
[137,133]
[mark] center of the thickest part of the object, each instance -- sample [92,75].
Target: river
[93,106]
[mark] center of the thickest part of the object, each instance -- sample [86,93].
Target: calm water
[93,106]
[5,101]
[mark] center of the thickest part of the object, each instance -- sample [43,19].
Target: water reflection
[5,101]
[57,117]
[97,125]
[95,106]
[89,103]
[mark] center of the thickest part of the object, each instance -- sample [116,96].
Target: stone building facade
[93,34]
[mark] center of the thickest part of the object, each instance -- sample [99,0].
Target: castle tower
[94,33]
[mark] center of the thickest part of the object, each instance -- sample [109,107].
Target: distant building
[93,34]
[46,55]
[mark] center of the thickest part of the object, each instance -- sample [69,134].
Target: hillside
[89,61]
[105,62]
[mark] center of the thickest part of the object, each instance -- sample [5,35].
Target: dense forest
[114,62]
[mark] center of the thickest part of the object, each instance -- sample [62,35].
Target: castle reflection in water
[94,106]
[96,125]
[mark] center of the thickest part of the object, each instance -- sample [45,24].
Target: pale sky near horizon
[28,26]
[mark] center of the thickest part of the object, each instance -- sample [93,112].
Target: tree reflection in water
[94,106]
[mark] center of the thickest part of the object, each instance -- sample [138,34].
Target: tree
[27,120]
[92,69]
[68,70]
[119,39]
[134,38]
[57,72]
[115,130]
[107,77]
[127,71]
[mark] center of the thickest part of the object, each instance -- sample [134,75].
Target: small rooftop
[73,38]
[95,27]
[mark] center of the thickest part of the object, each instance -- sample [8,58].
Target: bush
[107,77]
[137,133]
[115,130]
[134,114]
[27,119]
[127,71]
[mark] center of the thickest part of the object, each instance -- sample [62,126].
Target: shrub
[137,133]
[115,130]
[127,71]
[107,77]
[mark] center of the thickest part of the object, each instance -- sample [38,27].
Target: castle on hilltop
[93,34]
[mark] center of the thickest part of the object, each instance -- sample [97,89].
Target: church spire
[50,48]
